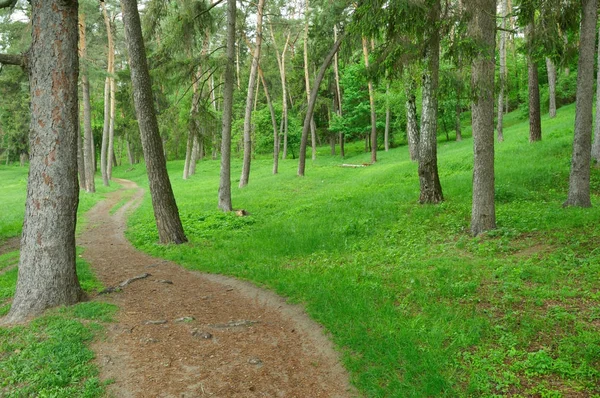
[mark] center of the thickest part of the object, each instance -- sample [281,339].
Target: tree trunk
[412,129]
[273,122]
[596,145]
[483,31]
[80,162]
[551,87]
[47,275]
[579,179]
[338,91]
[225,177]
[386,136]
[89,158]
[104,150]
[313,133]
[111,125]
[281,65]
[192,126]
[311,104]
[502,72]
[457,114]
[129,153]
[429,180]
[251,87]
[166,214]
[371,103]
[535,122]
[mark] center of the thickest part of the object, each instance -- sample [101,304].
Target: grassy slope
[50,356]
[417,306]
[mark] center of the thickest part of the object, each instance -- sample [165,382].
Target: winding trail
[237,340]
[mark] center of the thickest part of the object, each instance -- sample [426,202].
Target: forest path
[237,340]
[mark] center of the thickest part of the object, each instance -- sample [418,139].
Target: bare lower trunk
[386,136]
[338,91]
[457,117]
[412,129]
[502,72]
[80,162]
[104,147]
[371,103]
[88,138]
[129,154]
[551,87]
[111,127]
[535,122]
[225,177]
[281,65]
[579,179]
[166,214]
[596,144]
[273,122]
[47,275]
[431,189]
[483,30]
[311,104]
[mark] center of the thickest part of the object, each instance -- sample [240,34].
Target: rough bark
[483,31]
[596,144]
[225,176]
[371,103]
[429,180]
[311,103]
[502,72]
[166,214]
[245,177]
[535,121]
[551,87]
[47,275]
[88,143]
[579,178]
[412,128]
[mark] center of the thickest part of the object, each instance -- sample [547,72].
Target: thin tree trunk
[129,153]
[225,177]
[579,179]
[192,126]
[371,103]
[412,128]
[596,144]
[338,91]
[111,126]
[313,134]
[386,136]
[502,72]
[483,30]
[535,122]
[80,162]
[88,137]
[431,189]
[457,116]
[281,64]
[166,214]
[551,87]
[47,275]
[245,177]
[104,154]
[273,121]
[311,104]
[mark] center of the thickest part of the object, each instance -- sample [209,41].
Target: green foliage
[416,305]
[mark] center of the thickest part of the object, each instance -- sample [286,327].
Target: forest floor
[181,333]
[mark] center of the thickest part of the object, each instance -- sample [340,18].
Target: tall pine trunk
[596,144]
[483,31]
[338,91]
[412,128]
[429,180]
[225,176]
[535,121]
[386,134]
[245,177]
[47,275]
[551,68]
[313,129]
[579,178]
[88,138]
[371,103]
[104,150]
[502,72]
[166,214]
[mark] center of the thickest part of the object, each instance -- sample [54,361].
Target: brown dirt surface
[236,340]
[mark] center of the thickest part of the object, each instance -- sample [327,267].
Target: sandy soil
[184,334]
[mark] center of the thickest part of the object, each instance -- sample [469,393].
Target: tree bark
[14,59]
[47,275]
[281,65]
[412,129]
[80,162]
[502,72]
[371,103]
[483,31]
[104,150]
[311,104]
[596,144]
[313,129]
[579,179]
[429,180]
[338,91]
[166,214]
[225,176]
[88,146]
[551,87]
[251,87]
[535,122]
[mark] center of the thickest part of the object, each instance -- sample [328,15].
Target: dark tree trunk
[311,104]
[483,31]
[579,179]
[535,122]
[47,275]
[431,189]
[166,214]
[225,177]
[551,87]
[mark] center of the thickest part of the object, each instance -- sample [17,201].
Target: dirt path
[239,340]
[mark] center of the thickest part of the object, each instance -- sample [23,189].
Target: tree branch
[13,59]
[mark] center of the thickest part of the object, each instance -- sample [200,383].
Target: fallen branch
[135,278]
[355,165]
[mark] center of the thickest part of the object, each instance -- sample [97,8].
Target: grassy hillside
[416,305]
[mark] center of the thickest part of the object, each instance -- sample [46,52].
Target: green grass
[49,357]
[415,304]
